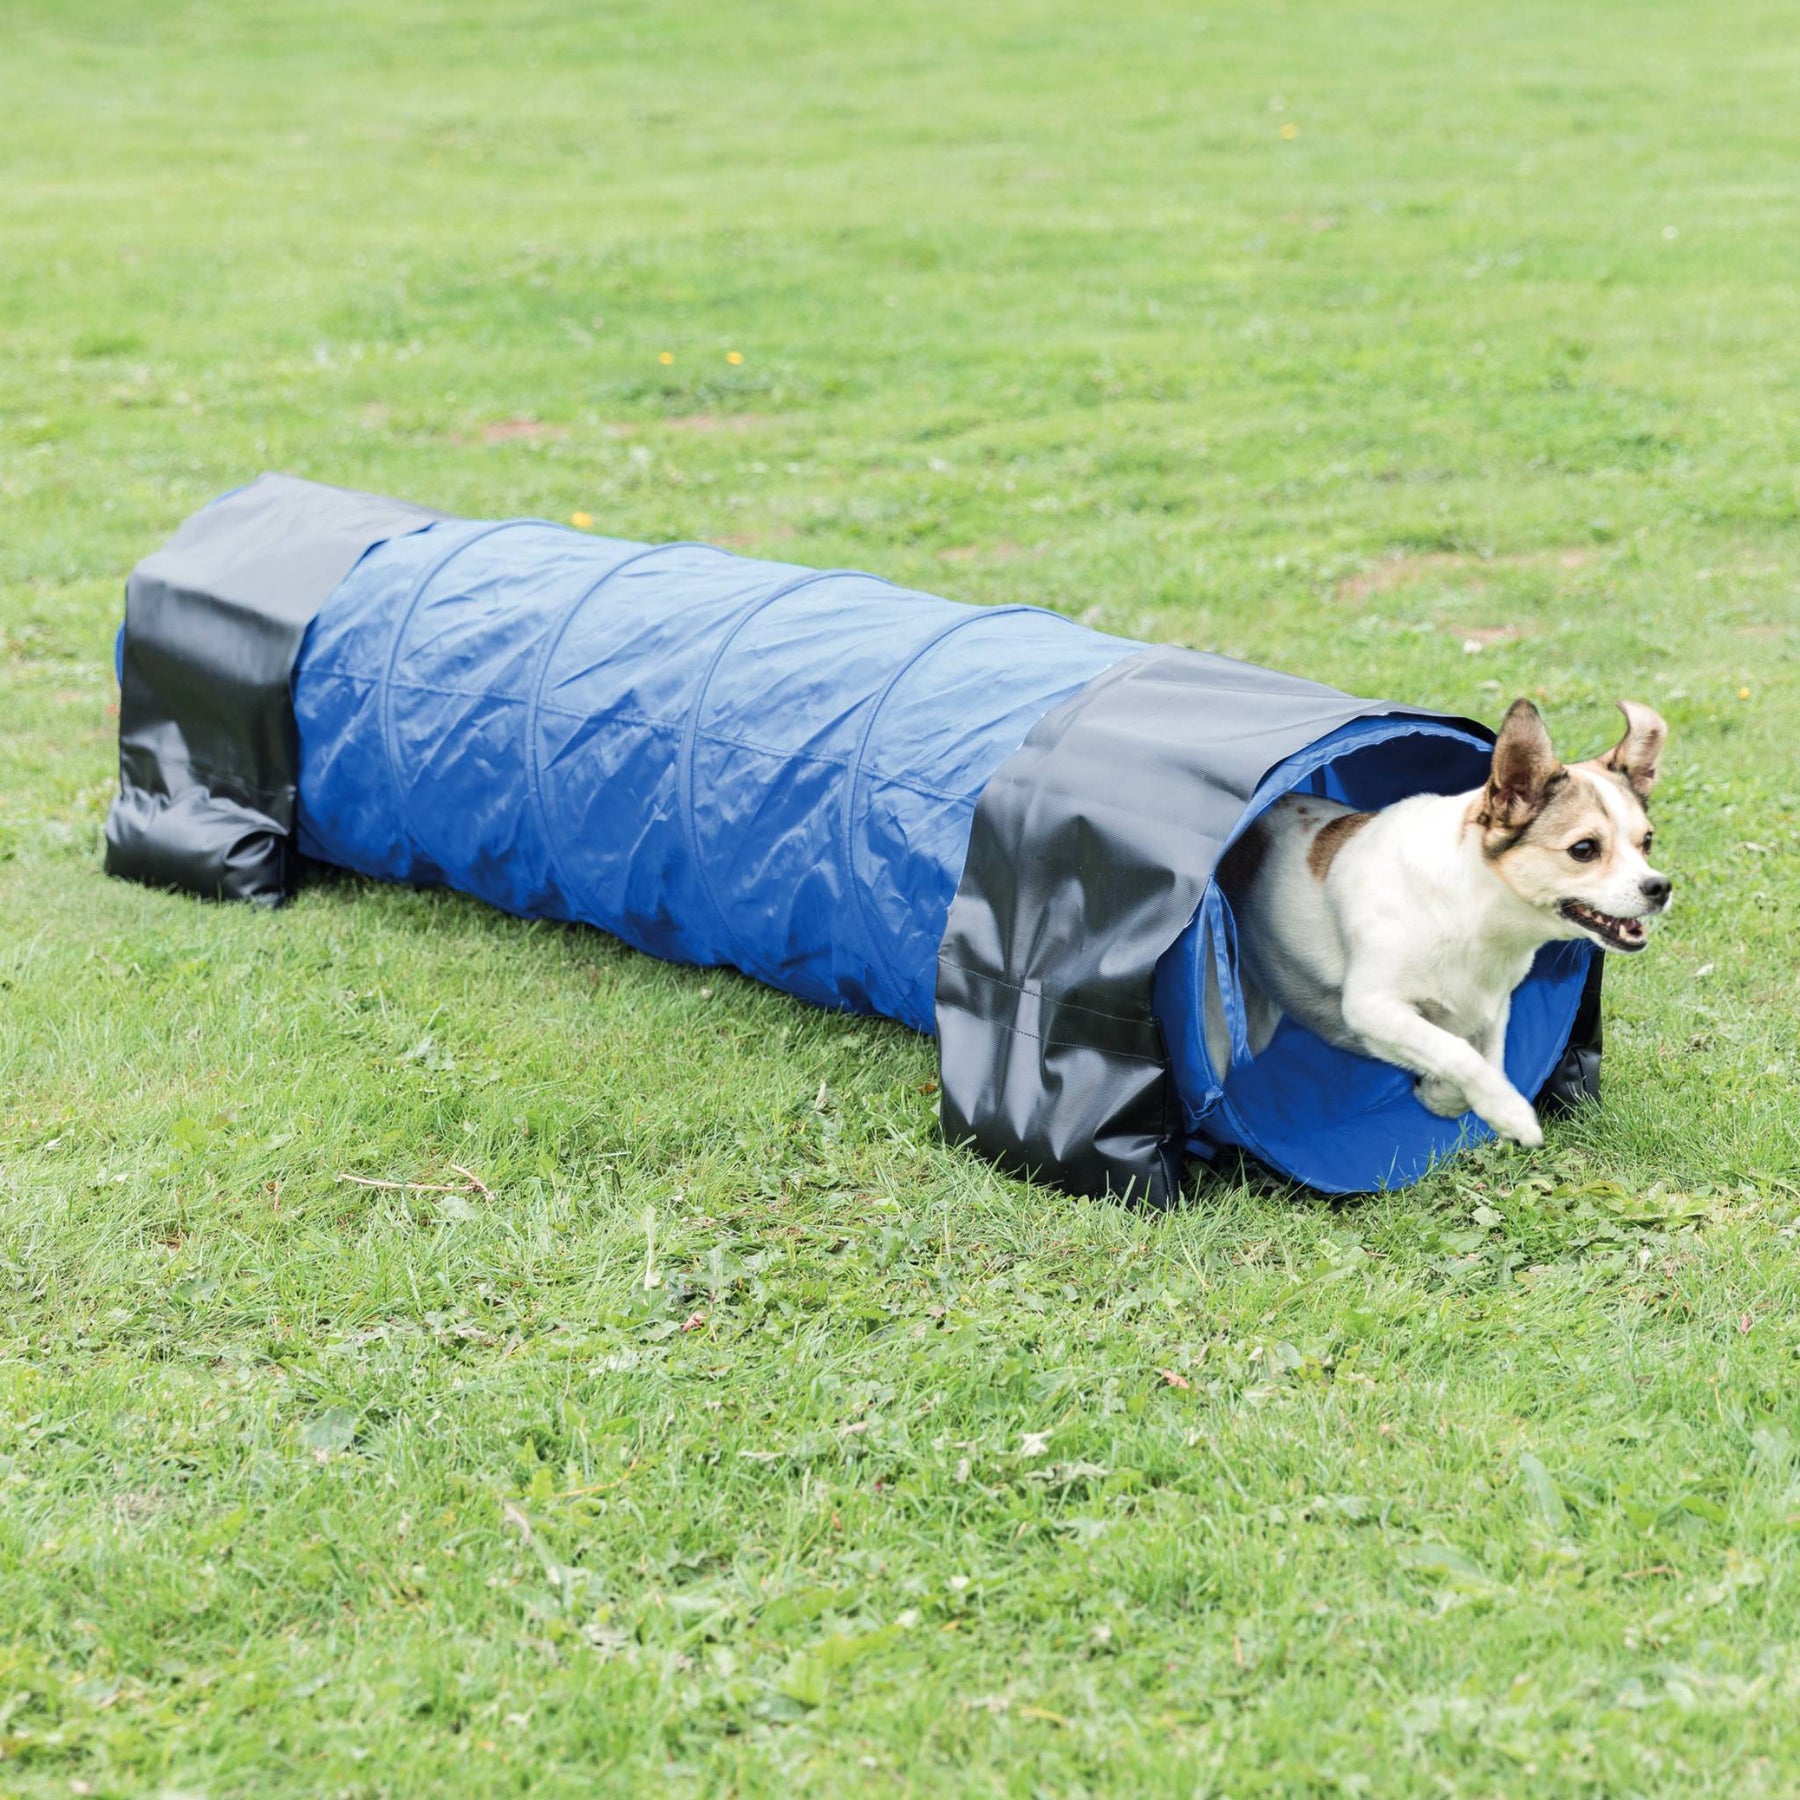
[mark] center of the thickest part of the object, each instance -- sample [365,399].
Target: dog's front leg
[1400,1034]
[1492,1042]
[1445,1098]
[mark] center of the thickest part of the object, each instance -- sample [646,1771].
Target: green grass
[732,1435]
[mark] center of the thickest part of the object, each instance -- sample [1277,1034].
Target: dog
[1401,934]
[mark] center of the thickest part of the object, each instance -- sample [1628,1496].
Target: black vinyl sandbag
[214,621]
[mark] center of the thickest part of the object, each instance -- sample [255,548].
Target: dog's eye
[1649,839]
[1586,850]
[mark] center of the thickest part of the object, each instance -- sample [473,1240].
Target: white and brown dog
[1402,934]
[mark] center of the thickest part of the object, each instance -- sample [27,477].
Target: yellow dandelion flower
[581,521]
[665,357]
[1290,131]
[1743,693]
[734,357]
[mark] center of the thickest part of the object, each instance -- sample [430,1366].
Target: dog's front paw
[1513,1117]
[1440,1096]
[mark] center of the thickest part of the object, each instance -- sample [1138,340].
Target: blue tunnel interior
[1328,1118]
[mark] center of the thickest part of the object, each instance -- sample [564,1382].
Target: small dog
[1402,934]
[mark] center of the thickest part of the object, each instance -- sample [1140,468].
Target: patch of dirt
[134,1511]
[752,540]
[509,431]
[1400,569]
[1486,635]
[717,422]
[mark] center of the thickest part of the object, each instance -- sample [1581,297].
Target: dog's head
[1575,841]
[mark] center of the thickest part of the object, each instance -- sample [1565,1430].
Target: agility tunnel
[989,823]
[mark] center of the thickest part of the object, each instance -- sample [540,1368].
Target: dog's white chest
[1467,1001]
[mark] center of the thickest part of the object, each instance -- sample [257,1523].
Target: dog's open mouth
[1621,934]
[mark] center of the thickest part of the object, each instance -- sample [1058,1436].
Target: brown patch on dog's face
[1582,851]
[1524,774]
[1330,838]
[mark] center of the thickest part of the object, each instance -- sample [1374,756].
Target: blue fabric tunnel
[779,769]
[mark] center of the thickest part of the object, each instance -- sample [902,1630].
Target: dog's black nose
[1656,887]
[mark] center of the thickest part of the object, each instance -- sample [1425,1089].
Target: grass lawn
[697,1422]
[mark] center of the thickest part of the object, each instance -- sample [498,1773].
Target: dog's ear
[1525,765]
[1636,754]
